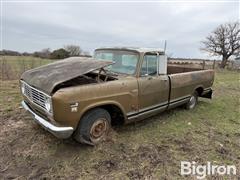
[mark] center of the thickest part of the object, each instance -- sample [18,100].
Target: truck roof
[137,49]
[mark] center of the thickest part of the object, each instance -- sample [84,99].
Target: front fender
[103,103]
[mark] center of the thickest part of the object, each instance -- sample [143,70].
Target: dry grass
[12,67]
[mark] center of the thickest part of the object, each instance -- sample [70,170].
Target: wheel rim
[192,102]
[99,129]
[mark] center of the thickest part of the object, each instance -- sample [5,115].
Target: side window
[149,66]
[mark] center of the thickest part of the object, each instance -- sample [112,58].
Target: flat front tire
[93,127]
[191,104]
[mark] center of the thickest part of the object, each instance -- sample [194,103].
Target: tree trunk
[224,62]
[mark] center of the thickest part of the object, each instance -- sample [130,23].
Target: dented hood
[47,77]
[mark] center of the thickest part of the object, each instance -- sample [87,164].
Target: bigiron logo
[209,169]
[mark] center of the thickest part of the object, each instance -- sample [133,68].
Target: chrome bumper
[59,132]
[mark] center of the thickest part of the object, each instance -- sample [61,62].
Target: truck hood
[47,77]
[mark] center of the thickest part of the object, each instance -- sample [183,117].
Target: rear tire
[93,127]
[191,104]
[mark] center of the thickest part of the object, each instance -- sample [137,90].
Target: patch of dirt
[144,173]
[29,152]
[237,134]
[155,155]
[149,158]
[23,146]
[106,166]
[222,150]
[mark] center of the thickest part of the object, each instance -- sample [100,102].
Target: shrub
[59,54]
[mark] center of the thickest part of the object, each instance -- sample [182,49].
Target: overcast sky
[32,26]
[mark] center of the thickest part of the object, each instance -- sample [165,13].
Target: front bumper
[59,132]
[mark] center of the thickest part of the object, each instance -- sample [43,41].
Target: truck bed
[183,82]
[175,69]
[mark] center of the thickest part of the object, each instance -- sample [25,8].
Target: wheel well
[199,91]
[117,116]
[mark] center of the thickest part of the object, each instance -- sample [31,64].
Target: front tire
[191,104]
[93,127]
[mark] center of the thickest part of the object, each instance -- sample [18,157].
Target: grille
[35,96]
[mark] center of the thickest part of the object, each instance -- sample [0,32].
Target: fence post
[203,64]
[2,68]
[31,65]
[214,63]
[24,68]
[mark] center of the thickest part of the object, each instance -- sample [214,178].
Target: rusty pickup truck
[83,97]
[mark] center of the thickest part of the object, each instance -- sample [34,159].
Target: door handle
[150,78]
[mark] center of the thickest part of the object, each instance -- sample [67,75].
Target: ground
[149,149]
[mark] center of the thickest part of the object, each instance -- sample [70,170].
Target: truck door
[153,88]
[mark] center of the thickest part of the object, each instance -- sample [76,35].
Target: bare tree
[73,50]
[223,41]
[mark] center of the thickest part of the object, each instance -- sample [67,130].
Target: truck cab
[83,97]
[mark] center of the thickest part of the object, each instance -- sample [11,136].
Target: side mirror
[162,64]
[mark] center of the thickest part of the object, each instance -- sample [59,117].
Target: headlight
[48,104]
[23,88]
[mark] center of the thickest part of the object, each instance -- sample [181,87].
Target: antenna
[165,46]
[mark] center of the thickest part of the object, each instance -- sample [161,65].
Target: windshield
[125,61]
